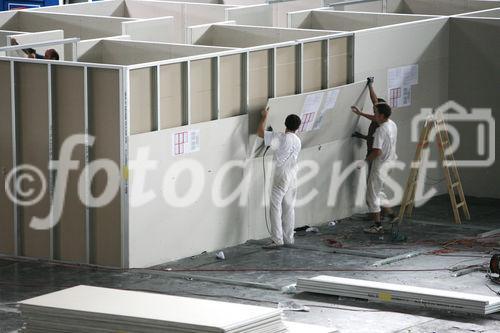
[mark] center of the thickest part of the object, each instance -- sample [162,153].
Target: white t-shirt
[286,148]
[385,139]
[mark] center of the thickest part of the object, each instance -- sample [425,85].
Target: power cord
[265,187]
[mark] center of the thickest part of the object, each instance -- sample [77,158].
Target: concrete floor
[254,276]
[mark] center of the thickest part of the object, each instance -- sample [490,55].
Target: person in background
[50,54]
[286,148]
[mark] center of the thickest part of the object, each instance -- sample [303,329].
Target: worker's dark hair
[381,100]
[384,109]
[53,55]
[292,122]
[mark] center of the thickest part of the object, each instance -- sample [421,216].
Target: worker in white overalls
[286,148]
[382,154]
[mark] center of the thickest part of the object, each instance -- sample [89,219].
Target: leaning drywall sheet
[327,126]
[428,50]
[33,118]
[7,243]
[104,105]
[474,54]
[69,119]
[155,29]
[36,37]
[187,195]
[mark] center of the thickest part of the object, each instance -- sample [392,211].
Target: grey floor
[254,276]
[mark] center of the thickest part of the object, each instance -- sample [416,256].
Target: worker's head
[292,122]
[51,54]
[382,112]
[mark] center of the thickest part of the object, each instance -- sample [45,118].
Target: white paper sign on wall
[185,142]
[399,84]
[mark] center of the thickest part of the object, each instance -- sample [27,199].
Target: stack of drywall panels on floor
[86,309]
[401,294]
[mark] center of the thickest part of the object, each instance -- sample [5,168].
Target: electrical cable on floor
[496,292]
[265,188]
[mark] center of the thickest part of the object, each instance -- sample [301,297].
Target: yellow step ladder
[450,169]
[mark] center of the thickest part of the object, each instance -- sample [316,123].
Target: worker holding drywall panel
[385,211]
[50,54]
[286,147]
[382,154]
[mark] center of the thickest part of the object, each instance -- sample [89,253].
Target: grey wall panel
[33,119]
[68,106]
[286,71]
[258,86]
[6,206]
[104,105]
[312,63]
[202,90]
[230,86]
[474,82]
[171,96]
[142,102]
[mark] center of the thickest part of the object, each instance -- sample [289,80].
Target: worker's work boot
[272,246]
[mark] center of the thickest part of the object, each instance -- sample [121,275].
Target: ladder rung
[461,204]
[455,184]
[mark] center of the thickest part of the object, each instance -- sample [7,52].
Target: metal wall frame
[245,54]
[124,135]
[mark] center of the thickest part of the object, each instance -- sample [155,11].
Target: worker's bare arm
[262,123]
[373,95]
[374,154]
[359,113]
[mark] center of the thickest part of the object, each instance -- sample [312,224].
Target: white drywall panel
[161,231]
[89,51]
[447,7]
[156,29]
[102,8]
[121,52]
[429,49]
[493,13]
[281,9]
[375,6]
[185,14]
[474,82]
[8,19]
[301,19]
[350,21]
[259,15]
[338,122]
[44,36]
[248,36]
[80,26]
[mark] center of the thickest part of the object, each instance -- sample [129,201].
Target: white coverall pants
[375,195]
[283,197]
